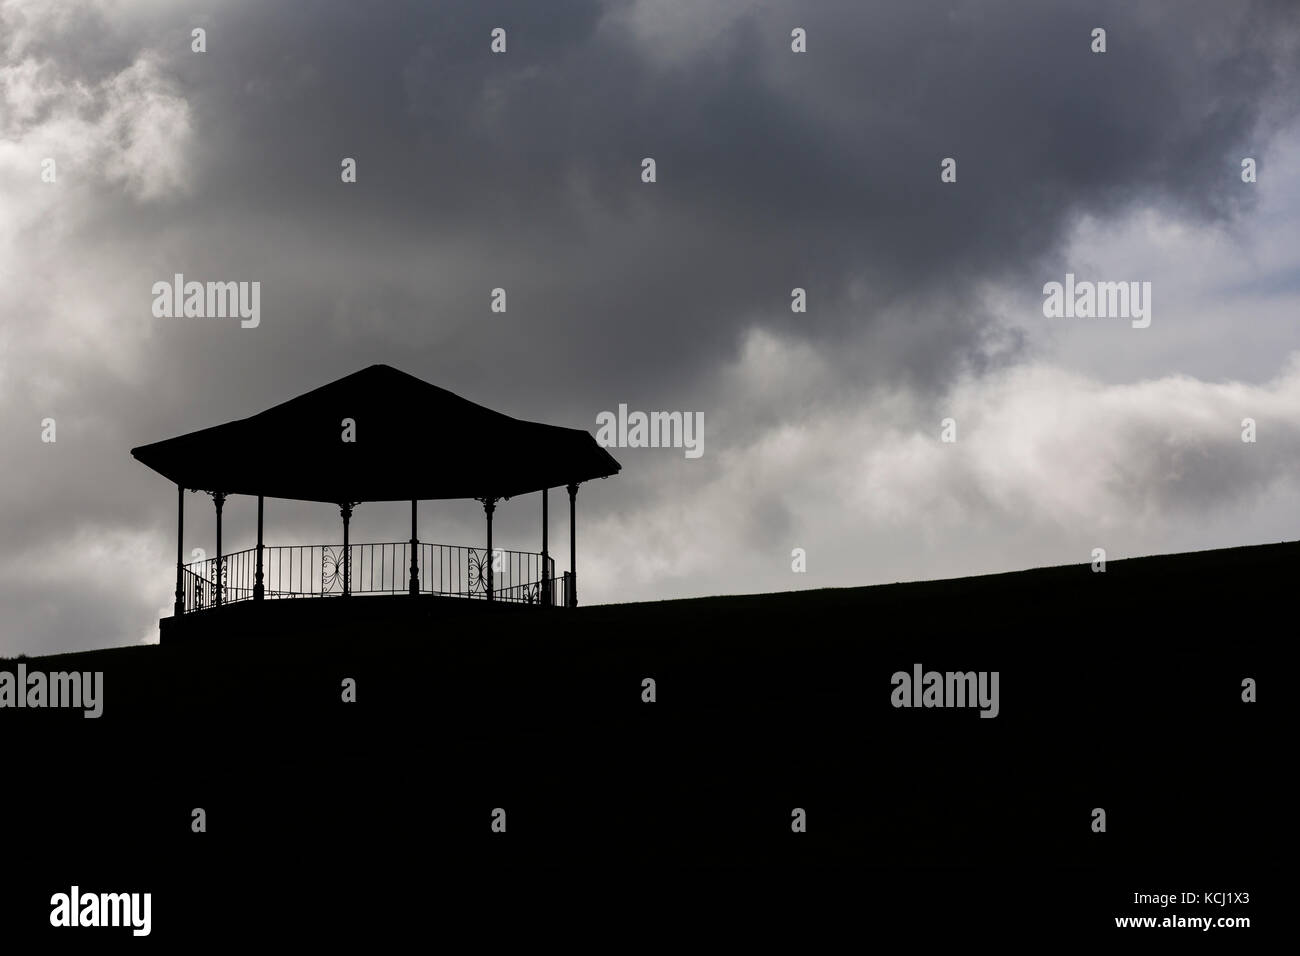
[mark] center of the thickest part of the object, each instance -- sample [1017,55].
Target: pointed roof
[413,441]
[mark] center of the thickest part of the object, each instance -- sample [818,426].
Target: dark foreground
[327,819]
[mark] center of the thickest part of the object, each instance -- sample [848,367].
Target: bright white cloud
[1047,461]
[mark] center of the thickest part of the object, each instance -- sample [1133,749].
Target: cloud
[1048,464]
[95,582]
[117,141]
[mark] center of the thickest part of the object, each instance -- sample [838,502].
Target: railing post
[258,590]
[489,506]
[345,510]
[415,544]
[219,500]
[179,608]
[573,545]
[546,527]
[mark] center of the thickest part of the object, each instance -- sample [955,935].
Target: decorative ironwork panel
[478,571]
[331,569]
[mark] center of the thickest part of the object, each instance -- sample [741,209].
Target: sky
[774,170]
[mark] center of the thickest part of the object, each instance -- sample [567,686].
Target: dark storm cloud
[775,170]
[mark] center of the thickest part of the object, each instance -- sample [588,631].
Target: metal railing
[296,571]
[535,592]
